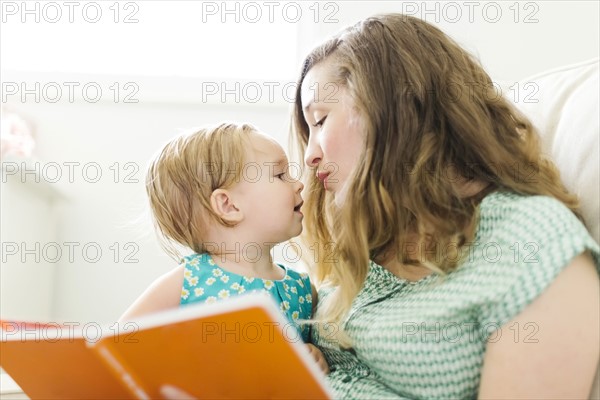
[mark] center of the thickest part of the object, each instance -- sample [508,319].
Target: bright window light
[175,38]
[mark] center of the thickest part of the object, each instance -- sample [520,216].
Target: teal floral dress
[205,282]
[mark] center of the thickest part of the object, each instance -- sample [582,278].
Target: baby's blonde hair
[182,176]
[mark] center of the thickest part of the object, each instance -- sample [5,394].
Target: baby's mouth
[297,208]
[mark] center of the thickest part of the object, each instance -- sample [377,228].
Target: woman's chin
[339,196]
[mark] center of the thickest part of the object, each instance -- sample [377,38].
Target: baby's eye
[280,176]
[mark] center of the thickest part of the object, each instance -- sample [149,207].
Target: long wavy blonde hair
[430,113]
[182,176]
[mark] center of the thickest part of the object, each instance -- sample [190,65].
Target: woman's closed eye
[320,122]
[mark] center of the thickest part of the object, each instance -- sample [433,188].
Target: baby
[225,193]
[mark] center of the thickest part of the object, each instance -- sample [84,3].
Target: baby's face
[268,193]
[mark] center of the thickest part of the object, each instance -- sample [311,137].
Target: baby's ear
[222,204]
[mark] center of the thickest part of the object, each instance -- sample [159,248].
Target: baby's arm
[164,293]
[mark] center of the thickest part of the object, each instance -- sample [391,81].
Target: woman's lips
[322,176]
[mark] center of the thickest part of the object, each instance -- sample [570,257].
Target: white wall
[106,132]
[511,45]
[27,288]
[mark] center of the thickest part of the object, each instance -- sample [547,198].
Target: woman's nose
[314,153]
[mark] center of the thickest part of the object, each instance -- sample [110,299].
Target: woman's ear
[223,205]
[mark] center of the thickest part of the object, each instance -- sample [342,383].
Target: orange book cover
[237,348]
[50,362]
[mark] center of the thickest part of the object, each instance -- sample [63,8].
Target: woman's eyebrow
[308,106]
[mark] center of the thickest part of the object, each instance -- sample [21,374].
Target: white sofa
[564,106]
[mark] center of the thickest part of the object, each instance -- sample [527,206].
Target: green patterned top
[427,339]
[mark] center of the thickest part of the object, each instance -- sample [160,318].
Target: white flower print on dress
[184,293]
[199,291]
[223,294]
[210,281]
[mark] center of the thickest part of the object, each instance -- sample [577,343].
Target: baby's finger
[324,366]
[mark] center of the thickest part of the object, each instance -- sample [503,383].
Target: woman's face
[336,139]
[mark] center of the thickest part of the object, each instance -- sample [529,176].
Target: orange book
[237,348]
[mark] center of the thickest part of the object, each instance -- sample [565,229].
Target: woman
[451,258]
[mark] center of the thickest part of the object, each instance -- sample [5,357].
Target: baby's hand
[318,357]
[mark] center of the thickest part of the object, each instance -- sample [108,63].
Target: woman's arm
[560,355]
[162,294]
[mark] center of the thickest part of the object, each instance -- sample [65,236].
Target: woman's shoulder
[522,244]
[531,218]
[516,230]
[513,207]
